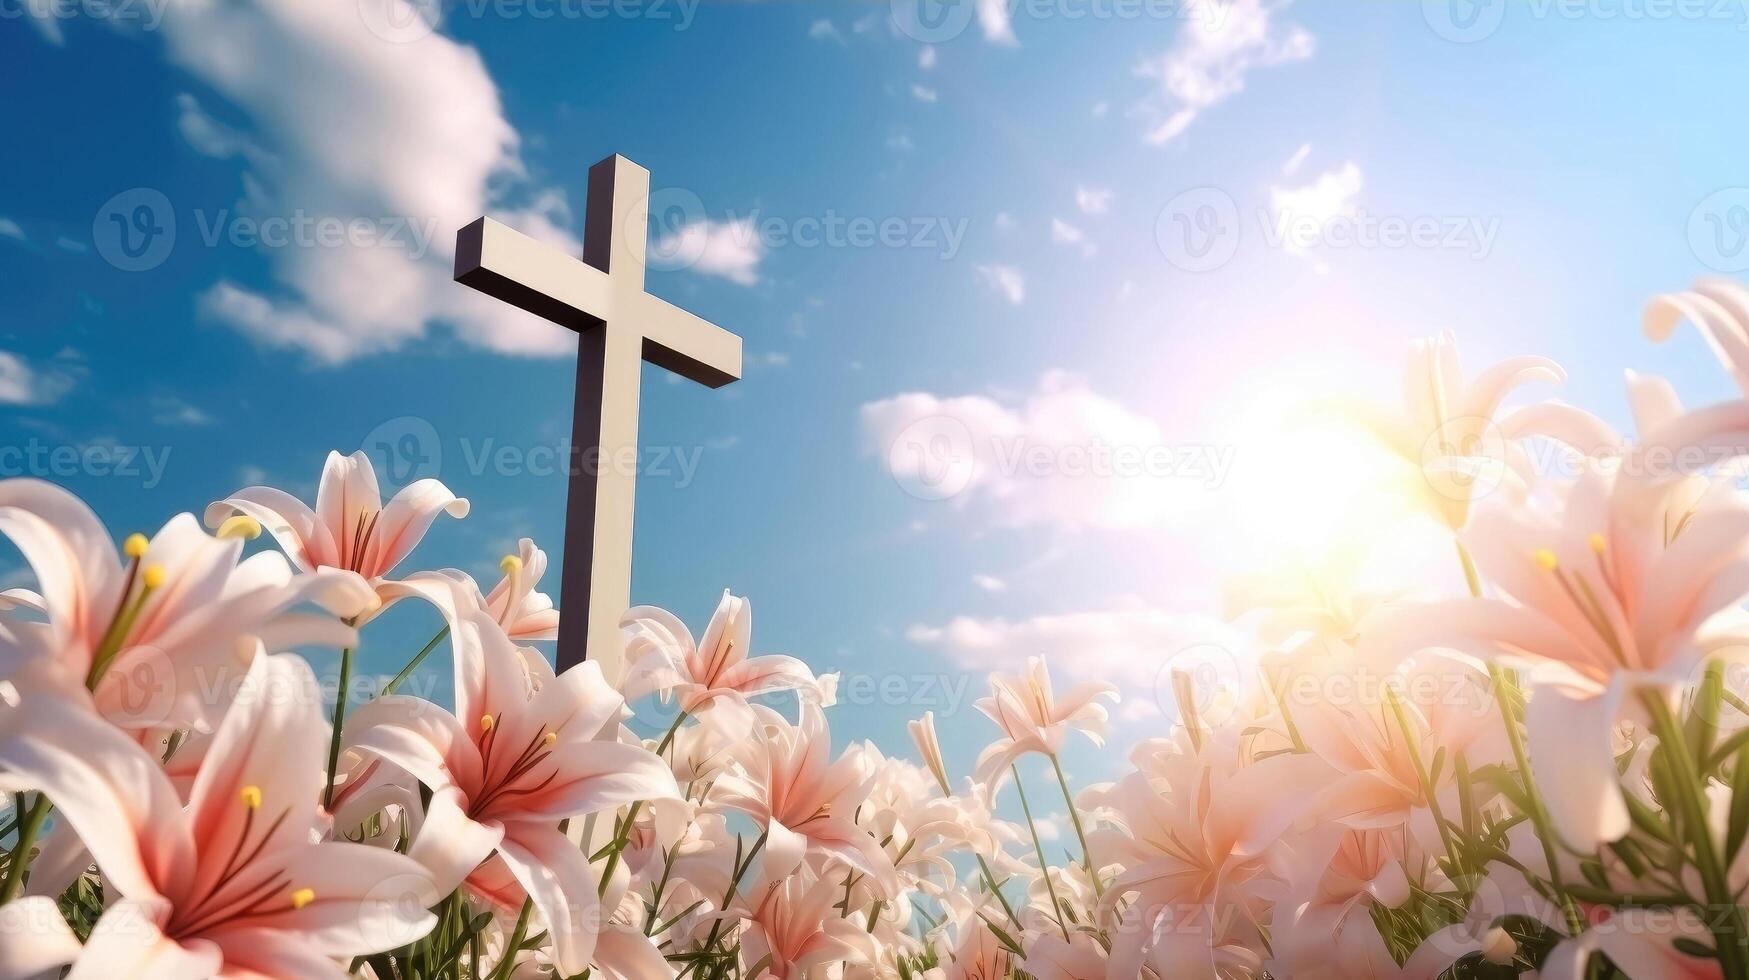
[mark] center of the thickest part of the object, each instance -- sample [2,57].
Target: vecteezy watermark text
[36,458]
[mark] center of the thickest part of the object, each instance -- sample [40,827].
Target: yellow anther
[153,576]
[240,526]
[510,565]
[1597,543]
[1547,559]
[302,897]
[551,738]
[252,797]
[486,723]
[134,546]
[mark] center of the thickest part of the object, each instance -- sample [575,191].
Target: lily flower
[1032,719]
[715,673]
[350,528]
[151,630]
[508,767]
[805,802]
[793,928]
[1618,592]
[237,882]
[1641,943]
[1447,429]
[1190,827]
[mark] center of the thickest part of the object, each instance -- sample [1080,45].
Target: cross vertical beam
[619,326]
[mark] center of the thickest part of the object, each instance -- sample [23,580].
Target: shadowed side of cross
[618,326]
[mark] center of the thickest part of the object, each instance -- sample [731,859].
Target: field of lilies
[1545,774]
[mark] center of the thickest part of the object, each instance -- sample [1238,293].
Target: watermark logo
[1464,21]
[1206,679]
[1718,230]
[1464,458]
[1198,230]
[401,21]
[933,458]
[932,21]
[405,448]
[675,238]
[135,230]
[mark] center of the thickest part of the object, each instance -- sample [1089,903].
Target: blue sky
[1567,160]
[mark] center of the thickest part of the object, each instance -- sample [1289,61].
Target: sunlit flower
[791,927]
[1613,594]
[1033,719]
[718,672]
[804,801]
[1447,428]
[350,528]
[153,629]
[507,767]
[233,883]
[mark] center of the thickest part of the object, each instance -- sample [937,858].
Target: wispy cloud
[175,411]
[1219,43]
[1064,233]
[996,20]
[21,383]
[1006,280]
[923,93]
[728,249]
[1093,200]
[825,30]
[11,229]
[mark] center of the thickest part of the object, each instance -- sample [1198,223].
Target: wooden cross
[618,326]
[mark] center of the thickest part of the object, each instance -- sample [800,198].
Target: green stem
[1539,812]
[990,879]
[508,966]
[339,724]
[1043,866]
[1505,694]
[625,832]
[1453,854]
[1080,834]
[413,664]
[1724,916]
[27,831]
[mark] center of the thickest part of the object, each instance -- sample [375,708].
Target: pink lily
[1640,942]
[1447,429]
[1190,828]
[805,802]
[1032,719]
[350,528]
[235,884]
[508,767]
[717,672]
[152,634]
[1616,594]
[793,928]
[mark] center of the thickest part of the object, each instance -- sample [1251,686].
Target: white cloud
[1100,109]
[989,583]
[1302,212]
[1006,280]
[1293,164]
[411,132]
[923,93]
[175,411]
[1049,828]
[1062,455]
[771,359]
[730,249]
[1064,233]
[1093,200]
[1005,221]
[1218,44]
[22,384]
[1129,643]
[996,21]
[825,30]
[11,229]
[900,142]
[926,57]
[73,245]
